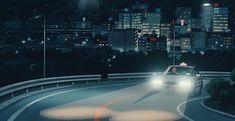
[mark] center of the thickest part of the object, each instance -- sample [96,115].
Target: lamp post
[44,47]
[173,42]
[44,42]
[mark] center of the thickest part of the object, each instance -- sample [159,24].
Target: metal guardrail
[43,81]
[85,79]
[208,74]
[214,74]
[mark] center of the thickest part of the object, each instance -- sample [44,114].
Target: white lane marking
[185,102]
[217,111]
[18,112]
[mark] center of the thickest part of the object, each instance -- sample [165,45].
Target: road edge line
[185,102]
[217,111]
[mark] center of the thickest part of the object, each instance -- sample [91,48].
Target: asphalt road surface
[116,102]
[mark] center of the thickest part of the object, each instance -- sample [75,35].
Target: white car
[179,78]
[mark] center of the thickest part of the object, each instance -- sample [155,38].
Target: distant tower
[207,15]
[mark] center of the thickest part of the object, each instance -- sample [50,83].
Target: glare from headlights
[157,83]
[185,84]
[187,74]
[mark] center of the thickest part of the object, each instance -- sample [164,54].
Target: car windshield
[179,71]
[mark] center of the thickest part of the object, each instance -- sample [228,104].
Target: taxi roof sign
[183,64]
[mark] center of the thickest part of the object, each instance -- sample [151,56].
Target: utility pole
[44,47]
[174,42]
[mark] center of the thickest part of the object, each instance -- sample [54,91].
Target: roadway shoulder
[217,111]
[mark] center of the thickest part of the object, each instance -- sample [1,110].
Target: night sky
[20,9]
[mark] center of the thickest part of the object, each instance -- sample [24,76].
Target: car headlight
[186,84]
[157,82]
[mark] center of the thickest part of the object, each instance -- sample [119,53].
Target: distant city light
[83,43]
[23,42]
[16,52]
[121,50]
[29,39]
[206,4]
[83,18]
[182,22]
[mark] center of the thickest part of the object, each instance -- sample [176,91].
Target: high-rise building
[207,17]
[156,43]
[130,19]
[221,37]
[149,43]
[184,20]
[152,23]
[165,29]
[197,23]
[142,43]
[123,40]
[220,19]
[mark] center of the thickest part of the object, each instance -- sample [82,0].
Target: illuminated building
[130,19]
[220,38]
[150,43]
[165,29]
[152,23]
[220,19]
[142,43]
[156,43]
[184,41]
[220,41]
[184,20]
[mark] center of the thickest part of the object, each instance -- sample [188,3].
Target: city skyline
[209,27]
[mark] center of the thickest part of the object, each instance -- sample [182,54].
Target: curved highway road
[116,102]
